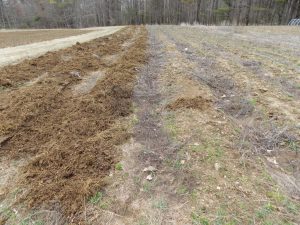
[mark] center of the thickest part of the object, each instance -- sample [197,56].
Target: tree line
[87,13]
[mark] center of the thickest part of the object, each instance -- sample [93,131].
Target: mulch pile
[189,103]
[71,139]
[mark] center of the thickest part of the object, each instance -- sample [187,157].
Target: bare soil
[12,39]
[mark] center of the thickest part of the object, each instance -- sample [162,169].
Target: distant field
[15,38]
[33,43]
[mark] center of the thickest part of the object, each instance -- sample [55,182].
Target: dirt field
[35,49]
[157,125]
[12,39]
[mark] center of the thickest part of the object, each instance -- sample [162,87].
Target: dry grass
[224,188]
[265,137]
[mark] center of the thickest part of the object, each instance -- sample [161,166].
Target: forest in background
[88,13]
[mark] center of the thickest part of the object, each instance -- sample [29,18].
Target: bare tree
[85,13]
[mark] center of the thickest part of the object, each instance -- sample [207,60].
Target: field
[154,125]
[20,37]
[30,44]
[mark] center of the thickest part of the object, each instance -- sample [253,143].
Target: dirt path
[16,54]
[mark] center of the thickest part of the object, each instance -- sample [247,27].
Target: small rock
[223,96]
[149,177]
[271,114]
[188,156]
[15,211]
[219,188]
[96,56]
[196,144]
[4,139]
[272,160]
[150,169]
[282,143]
[5,82]
[3,107]
[217,166]
[186,49]
[75,74]
[263,90]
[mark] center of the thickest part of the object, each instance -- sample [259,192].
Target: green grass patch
[135,119]
[160,204]
[96,198]
[198,219]
[182,190]
[119,166]
[294,146]
[170,125]
[213,151]
[142,221]
[253,101]
[291,207]
[277,196]
[147,186]
[28,221]
[264,211]
[8,213]
[2,88]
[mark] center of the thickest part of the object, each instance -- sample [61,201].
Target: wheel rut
[149,131]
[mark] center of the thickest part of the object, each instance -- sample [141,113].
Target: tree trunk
[198,11]
[2,14]
[249,5]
